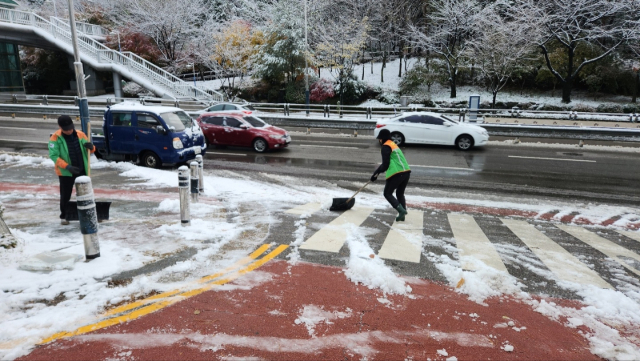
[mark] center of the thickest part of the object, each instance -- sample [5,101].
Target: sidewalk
[235,285]
[312,312]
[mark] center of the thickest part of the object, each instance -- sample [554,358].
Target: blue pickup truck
[152,135]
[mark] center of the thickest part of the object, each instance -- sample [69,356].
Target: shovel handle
[359,190]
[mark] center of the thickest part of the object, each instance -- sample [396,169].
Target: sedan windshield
[179,120]
[255,122]
[449,119]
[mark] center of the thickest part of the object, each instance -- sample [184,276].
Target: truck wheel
[151,160]
[260,145]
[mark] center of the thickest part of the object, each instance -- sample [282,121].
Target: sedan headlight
[275,136]
[177,143]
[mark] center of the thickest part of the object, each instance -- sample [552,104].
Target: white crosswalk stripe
[472,242]
[332,236]
[404,240]
[612,250]
[562,263]
[308,208]
[633,235]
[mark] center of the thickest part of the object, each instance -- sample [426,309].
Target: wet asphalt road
[558,171]
[518,170]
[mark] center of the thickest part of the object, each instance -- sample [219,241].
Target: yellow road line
[160,305]
[162,295]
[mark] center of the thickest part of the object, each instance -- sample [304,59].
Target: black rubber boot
[401,213]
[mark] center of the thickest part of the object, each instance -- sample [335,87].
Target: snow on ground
[441,92]
[36,305]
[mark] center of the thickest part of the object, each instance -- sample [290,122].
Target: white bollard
[88,217]
[200,173]
[194,181]
[183,187]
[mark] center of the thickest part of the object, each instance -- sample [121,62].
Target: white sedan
[432,128]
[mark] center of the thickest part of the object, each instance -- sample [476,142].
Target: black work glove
[73,170]
[374,177]
[88,146]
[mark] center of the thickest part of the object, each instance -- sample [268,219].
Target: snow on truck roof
[138,107]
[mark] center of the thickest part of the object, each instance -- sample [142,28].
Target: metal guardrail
[318,122]
[354,113]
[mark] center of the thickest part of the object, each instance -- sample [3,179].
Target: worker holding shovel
[68,150]
[397,173]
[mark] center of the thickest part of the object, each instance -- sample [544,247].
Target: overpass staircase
[93,53]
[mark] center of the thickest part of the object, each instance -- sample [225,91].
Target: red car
[242,130]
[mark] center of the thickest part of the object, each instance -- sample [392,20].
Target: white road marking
[325,146]
[633,235]
[397,246]
[472,242]
[18,128]
[566,266]
[611,249]
[21,141]
[308,208]
[332,236]
[439,167]
[563,159]
[236,154]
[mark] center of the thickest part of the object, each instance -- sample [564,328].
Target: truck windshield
[179,120]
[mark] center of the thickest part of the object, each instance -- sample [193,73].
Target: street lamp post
[306,70]
[77,64]
[195,89]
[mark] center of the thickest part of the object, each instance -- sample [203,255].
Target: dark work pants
[66,188]
[397,183]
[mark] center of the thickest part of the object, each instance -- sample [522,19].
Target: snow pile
[368,270]
[311,315]
[22,160]
[483,283]
[608,315]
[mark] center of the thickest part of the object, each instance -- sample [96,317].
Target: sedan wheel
[464,142]
[260,145]
[397,138]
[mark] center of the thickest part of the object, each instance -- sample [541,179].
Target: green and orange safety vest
[397,162]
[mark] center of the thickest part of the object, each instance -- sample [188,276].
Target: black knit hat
[65,122]
[384,134]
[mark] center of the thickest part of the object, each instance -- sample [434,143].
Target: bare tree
[339,39]
[500,47]
[445,31]
[172,24]
[600,25]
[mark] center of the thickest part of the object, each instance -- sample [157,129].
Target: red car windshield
[255,122]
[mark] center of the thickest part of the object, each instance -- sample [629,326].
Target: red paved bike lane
[310,312]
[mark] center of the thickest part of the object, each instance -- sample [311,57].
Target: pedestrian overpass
[30,29]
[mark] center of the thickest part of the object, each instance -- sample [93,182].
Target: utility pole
[306,70]
[77,64]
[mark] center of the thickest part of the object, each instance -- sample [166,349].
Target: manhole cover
[576,154]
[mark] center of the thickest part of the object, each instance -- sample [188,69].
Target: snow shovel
[345,204]
[102,210]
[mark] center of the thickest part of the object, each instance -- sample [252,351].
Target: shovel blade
[341,204]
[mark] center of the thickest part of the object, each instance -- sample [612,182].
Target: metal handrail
[100,52]
[86,28]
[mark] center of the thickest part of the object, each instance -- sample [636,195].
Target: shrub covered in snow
[354,91]
[388,97]
[321,91]
[133,90]
[583,108]
[609,108]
